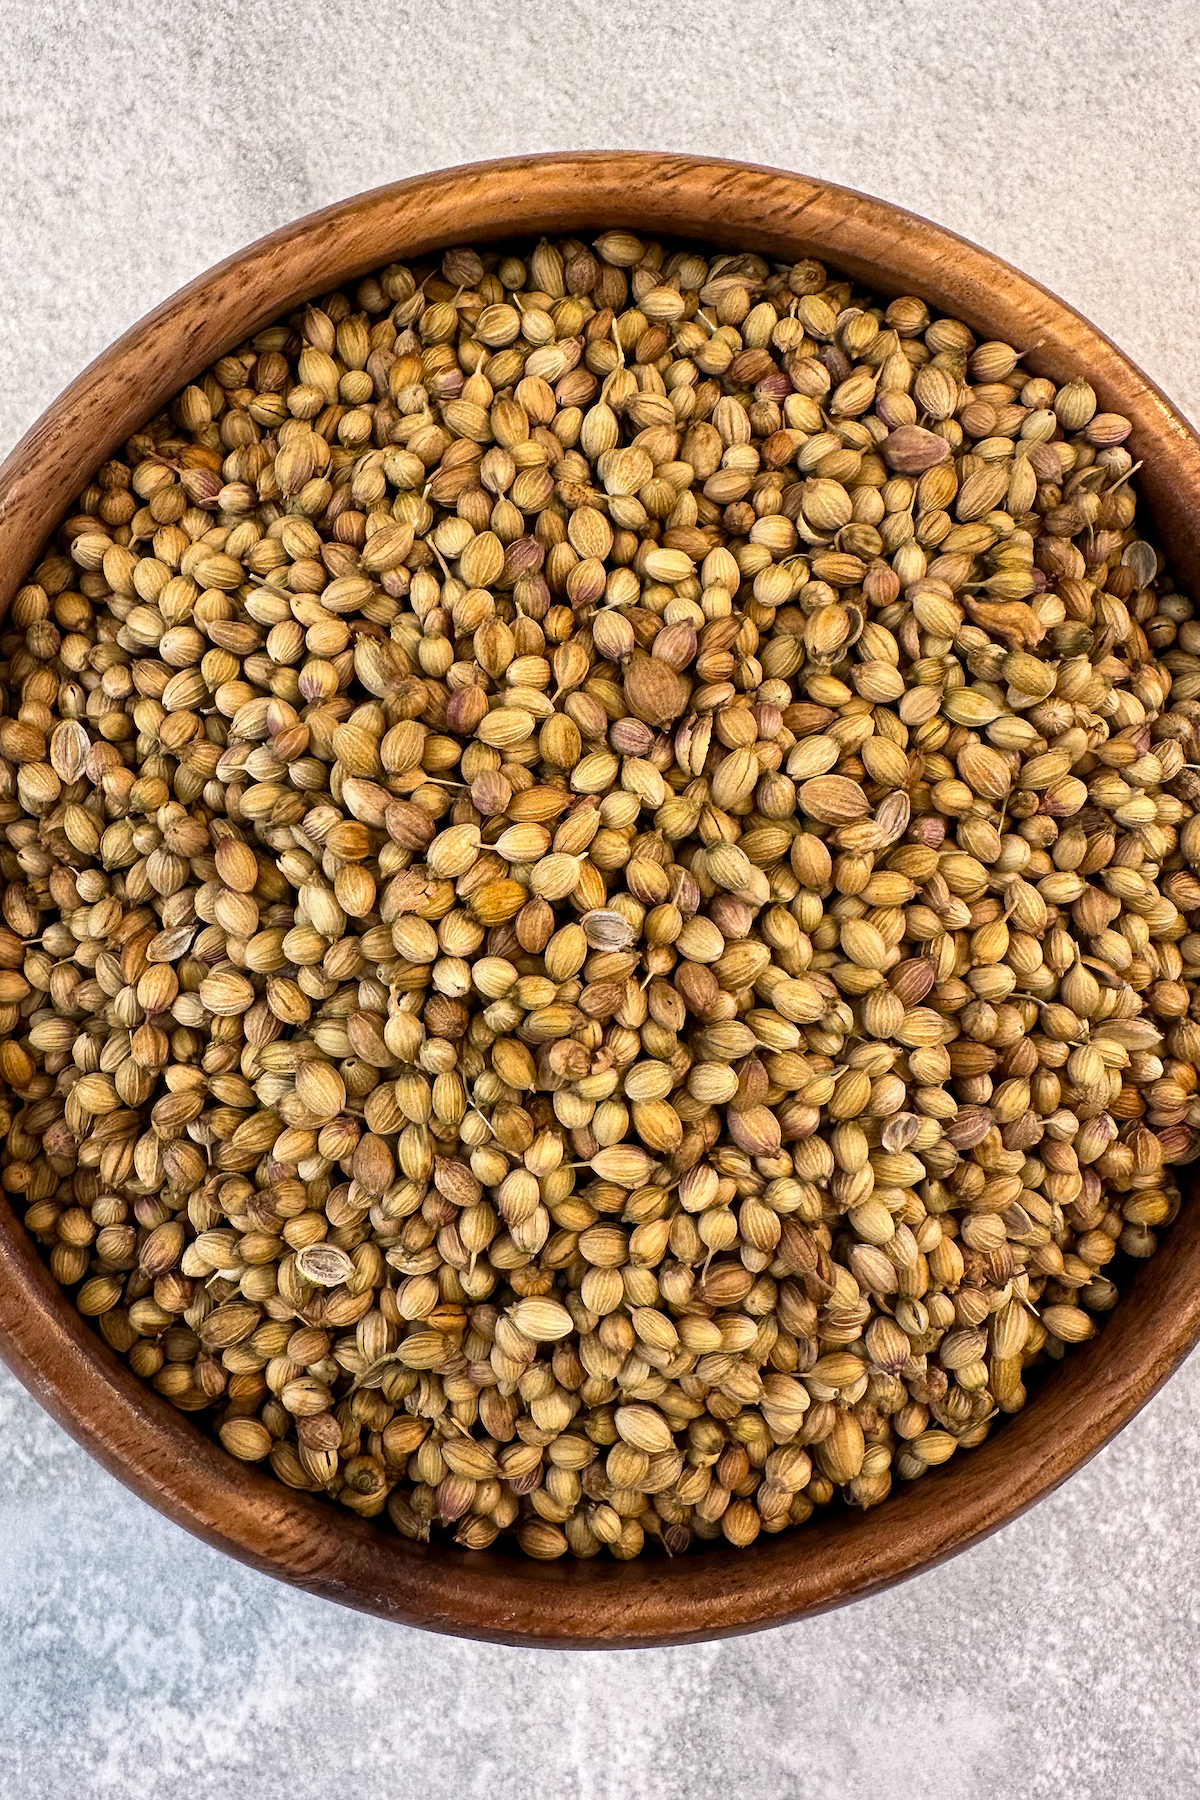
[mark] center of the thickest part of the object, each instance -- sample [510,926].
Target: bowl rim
[160,1453]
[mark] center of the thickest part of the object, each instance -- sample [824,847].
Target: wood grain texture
[161,1454]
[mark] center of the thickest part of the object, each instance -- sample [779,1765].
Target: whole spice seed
[601,918]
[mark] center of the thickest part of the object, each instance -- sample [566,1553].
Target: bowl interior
[159,1452]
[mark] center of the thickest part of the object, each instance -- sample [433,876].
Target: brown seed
[324,1264]
[653,690]
[545,1321]
[320,1089]
[607,930]
[840,1454]
[911,450]
[246,1439]
[832,800]
[643,1427]
[226,993]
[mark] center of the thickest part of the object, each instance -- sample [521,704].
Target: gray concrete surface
[140,143]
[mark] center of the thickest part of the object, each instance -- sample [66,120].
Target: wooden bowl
[159,1452]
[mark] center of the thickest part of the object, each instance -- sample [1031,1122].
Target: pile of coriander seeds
[600,939]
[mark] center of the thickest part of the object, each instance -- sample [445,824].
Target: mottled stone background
[140,143]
